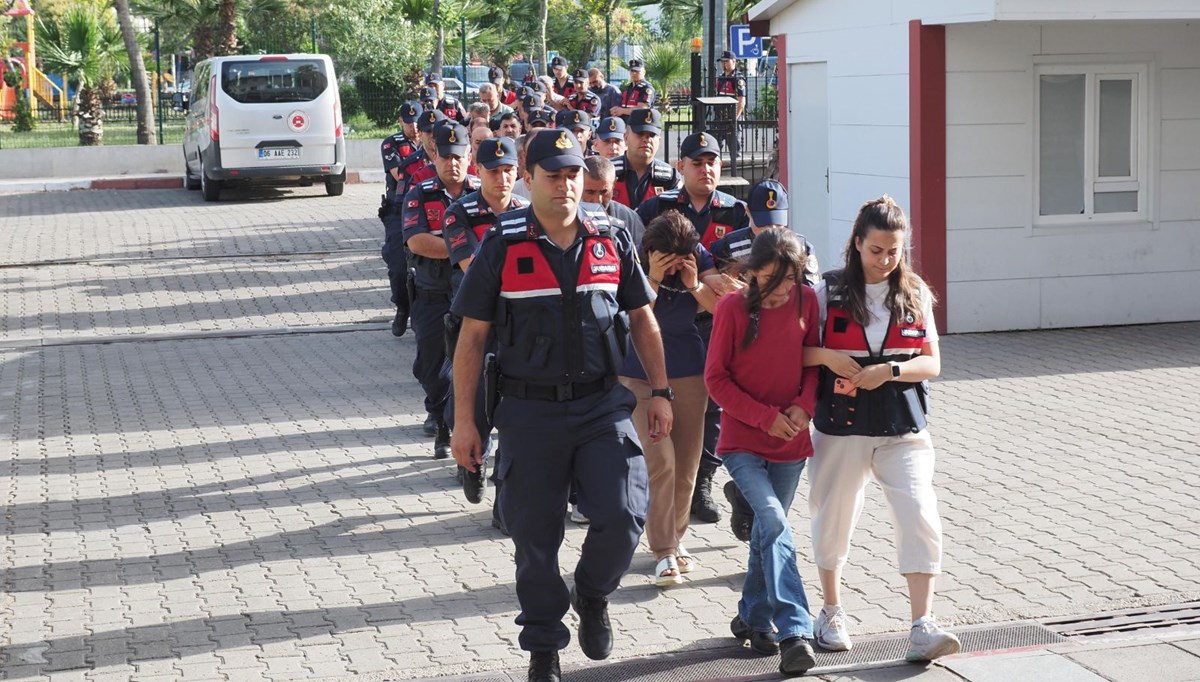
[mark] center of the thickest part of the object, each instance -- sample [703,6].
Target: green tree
[197,24]
[668,66]
[86,47]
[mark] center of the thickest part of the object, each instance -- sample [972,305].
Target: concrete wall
[111,162]
[1005,272]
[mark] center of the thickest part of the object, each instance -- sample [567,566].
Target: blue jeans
[773,591]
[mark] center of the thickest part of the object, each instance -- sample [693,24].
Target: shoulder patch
[662,171]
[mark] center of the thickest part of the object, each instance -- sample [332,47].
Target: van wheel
[189,181]
[335,184]
[211,189]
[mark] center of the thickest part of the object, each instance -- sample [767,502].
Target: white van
[268,119]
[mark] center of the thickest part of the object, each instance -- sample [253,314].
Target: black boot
[400,322]
[472,484]
[796,656]
[543,667]
[704,509]
[761,642]
[741,520]
[430,427]
[441,442]
[595,630]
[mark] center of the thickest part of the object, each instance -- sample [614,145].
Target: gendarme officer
[557,283]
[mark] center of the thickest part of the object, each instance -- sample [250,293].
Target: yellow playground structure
[38,87]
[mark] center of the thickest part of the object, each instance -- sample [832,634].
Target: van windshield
[291,80]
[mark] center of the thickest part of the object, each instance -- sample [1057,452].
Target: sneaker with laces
[830,629]
[927,641]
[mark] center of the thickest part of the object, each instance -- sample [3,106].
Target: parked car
[454,88]
[269,119]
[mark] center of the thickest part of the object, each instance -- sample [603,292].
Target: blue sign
[742,44]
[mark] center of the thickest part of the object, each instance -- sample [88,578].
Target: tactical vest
[559,333]
[585,101]
[725,213]
[728,85]
[659,178]
[896,407]
[433,274]
[451,109]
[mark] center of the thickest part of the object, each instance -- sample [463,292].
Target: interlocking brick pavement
[266,507]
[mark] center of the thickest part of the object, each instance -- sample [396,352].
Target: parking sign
[742,44]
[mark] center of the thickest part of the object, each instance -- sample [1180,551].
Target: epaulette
[599,220]
[662,171]
[433,184]
[724,200]
[514,225]
[619,164]
[669,195]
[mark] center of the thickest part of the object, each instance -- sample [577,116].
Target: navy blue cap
[497,151]
[573,119]
[434,77]
[769,203]
[451,138]
[636,65]
[558,61]
[611,128]
[541,116]
[426,94]
[579,75]
[726,54]
[533,102]
[429,119]
[410,111]
[645,121]
[495,73]
[699,143]
[553,150]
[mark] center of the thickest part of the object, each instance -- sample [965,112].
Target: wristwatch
[667,393]
[895,370]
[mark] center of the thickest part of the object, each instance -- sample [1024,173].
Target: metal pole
[697,91]
[463,73]
[607,47]
[158,67]
[312,32]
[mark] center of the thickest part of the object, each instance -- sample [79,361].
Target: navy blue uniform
[585,100]
[397,152]
[631,190]
[638,94]
[424,208]
[734,248]
[563,417]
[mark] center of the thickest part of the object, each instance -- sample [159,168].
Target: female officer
[879,346]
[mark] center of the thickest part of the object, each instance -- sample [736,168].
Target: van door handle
[277,116]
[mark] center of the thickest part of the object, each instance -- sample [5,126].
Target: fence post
[158,93]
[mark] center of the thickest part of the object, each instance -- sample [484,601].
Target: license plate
[279,153]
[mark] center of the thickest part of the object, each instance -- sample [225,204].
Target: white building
[1047,151]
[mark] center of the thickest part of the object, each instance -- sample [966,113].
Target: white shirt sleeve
[822,307]
[931,334]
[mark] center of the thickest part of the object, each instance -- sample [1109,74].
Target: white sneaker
[830,629]
[927,641]
[576,517]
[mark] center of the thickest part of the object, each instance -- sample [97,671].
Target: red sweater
[754,384]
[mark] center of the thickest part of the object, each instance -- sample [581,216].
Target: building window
[1091,143]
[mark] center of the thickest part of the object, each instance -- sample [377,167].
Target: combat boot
[704,509]
[441,442]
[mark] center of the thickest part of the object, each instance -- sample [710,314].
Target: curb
[156,181]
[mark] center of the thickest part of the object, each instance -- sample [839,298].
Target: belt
[433,297]
[516,388]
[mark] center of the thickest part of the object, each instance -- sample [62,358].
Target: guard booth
[718,116]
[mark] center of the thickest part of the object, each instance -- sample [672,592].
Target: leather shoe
[400,323]
[760,642]
[441,442]
[472,484]
[430,427]
[595,631]
[796,656]
[543,667]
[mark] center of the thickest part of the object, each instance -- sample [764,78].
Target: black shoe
[400,323]
[472,484]
[498,524]
[430,425]
[441,442]
[595,632]
[741,522]
[704,509]
[543,667]
[795,656]
[760,642]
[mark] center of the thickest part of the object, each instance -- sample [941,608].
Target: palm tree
[199,21]
[86,47]
[227,21]
[137,71]
[668,65]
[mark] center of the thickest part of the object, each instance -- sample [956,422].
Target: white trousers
[903,467]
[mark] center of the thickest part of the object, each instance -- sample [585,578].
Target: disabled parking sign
[742,44]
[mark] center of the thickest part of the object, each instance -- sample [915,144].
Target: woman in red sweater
[755,372]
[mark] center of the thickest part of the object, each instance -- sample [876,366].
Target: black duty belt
[558,393]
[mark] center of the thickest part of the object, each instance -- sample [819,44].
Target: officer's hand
[783,427]
[466,446]
[659,418]
[798,416]
[841,364]
[722,284]
[872,377]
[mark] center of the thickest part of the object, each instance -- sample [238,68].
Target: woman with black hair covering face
[756,374]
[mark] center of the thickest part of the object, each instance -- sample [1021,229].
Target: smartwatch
[895,370]
[667,393]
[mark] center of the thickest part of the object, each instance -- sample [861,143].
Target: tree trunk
[543,17]
[439,51]
[202,43]
[91,118]
[137,68]
[228,27]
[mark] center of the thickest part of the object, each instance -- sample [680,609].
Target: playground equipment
[37,86]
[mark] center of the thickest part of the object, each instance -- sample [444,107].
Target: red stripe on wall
[927,155]
[780,42]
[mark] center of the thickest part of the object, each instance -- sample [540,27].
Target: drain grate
[738,664]
[1132,620]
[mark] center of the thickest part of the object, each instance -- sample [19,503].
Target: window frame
[1095,70]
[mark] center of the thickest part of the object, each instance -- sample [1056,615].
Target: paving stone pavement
[266,507]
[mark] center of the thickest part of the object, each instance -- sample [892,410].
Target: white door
[808,159]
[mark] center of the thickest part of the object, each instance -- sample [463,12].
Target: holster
[491,387]
[385,206]
[410,285]
[452,325]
